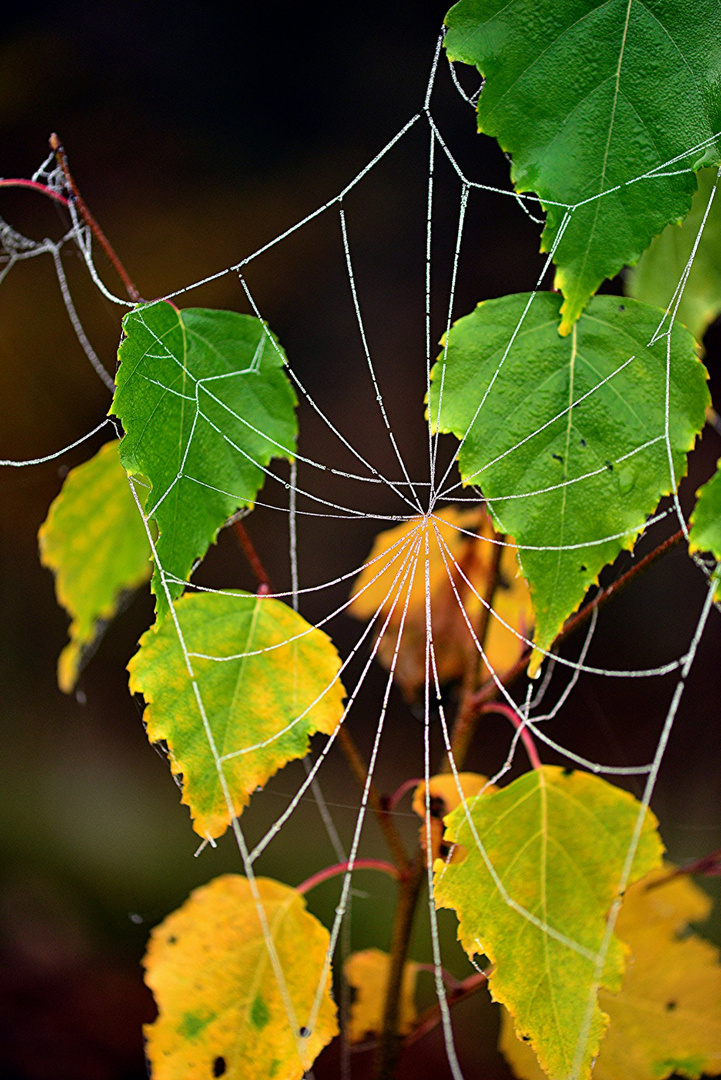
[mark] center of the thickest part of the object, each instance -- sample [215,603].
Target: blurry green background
[196,133]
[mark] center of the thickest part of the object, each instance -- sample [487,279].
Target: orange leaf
[452,554]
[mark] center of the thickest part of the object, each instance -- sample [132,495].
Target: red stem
[57,147]
[340,868]
[35,186]
[510,714]
[264,585]
[398,794]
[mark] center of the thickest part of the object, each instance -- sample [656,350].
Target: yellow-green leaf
[455,537]
[367,972]
[666,1018]
[705,534]
[558,842]
[94,541]
[267,680]
[221,1011]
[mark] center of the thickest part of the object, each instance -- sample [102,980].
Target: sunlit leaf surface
[566,436]
[205,405]
[221,1009]
[94,541]
[258,708]
[557,843]
[592,97]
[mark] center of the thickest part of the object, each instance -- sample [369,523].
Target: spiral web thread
[407,559]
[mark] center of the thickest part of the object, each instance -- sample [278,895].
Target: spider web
[419,499]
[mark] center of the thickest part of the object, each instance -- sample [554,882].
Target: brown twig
[708,865]
[432,1016]
[490,688]
[252,556]
[465,722]
[57,147]
[391,1044]
[377,804]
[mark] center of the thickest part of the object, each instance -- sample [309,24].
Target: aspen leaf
[565,436]
[221,1011]
[452,640]
[205,405]
[584,95]
[705,534]
[444,798]
[367,972]
[558,843]
[94,541]
[666,1017]
[271,695]
[660,269]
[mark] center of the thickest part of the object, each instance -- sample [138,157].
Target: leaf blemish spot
[670,1006]
[583,568]
[219,1067]
[304,1033]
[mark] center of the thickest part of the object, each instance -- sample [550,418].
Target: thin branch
[57,147]
[708,865]
[35,186]
[391,1044]
[408,785]
[377,804]
[340,868]
[526,737]
[432,1016]
[465,722]
[489,690]
[252,556]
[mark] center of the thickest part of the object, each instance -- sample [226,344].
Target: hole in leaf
[304,1033]
[219,1067]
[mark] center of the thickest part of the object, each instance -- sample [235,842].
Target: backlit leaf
[558,843]
[221,1010]
[705,534]
[666,1017]
[260,706]
[588,96]
[449,544]
[94,541]
[205,405]
[568,447]
[367,972]
[656,277]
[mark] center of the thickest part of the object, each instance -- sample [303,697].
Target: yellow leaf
[452,640]
[667,1016]
[221,1011]
[267,680]
[367,971]
[444,798]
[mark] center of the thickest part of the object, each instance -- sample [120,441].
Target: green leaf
[558,842]
[279,686]
[94,541]
[221,1010]
[705,534]
[205,405]
[587,96]
[568,446]
[657,275]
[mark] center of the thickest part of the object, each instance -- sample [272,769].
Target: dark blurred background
[197,132]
